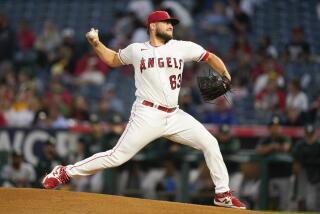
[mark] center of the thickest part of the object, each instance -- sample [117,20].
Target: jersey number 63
[175,81]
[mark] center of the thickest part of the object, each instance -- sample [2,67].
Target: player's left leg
[144,126]
[183,128]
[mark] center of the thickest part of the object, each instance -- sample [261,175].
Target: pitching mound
[34,201]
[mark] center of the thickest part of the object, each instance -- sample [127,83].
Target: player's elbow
[113,62]
[112,65]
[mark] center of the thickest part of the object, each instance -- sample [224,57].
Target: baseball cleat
[227,199]
[56,177]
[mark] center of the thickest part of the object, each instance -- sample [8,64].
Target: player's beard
[165,37]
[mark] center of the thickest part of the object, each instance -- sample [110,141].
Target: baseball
[93,33]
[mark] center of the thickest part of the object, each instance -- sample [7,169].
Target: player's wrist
[96,43]
[227,75]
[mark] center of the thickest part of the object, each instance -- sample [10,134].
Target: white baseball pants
[147,124]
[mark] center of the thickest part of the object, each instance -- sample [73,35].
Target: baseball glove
[213,86]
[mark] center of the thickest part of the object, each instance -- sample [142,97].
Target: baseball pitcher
[158,66]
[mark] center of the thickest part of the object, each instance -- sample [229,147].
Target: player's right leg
[143,127]
[183,128]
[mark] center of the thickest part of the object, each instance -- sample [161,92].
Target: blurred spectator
[94,141]
[7,94]
[139,34]
[240,21]
[79,110]
[7,73]
[56,118]
[203,181]
[130,180]
[306,154]
[141,9]
[80,152]
[249,6]
[200,6]
[6,39]
[221,113]
[265,48]
[90,69]
[47,160]
[293,117]
[239,88]
[270,101]
[279,170]
[246,183]
[169,185]
[25,41]
[150,181]
[25,81]
[68,51]
[240,54]
[266,68]
[116,127]
[178,11]
[298,48]
[68,37]
[161,148]
[57,95]
[3,121]
[227,142]
[314,111]
[241,50]
[109,94]
[41,119]
[201,185]
[186,104]
[64,62]
[48,41]
[296,98]
[20,113]
[18,173]
[104,111]
[229,145]
[275,142]
[25,37]
[123,27]
[215,20]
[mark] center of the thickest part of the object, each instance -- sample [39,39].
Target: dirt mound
[34,201]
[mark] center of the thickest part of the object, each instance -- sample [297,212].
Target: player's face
[164,30]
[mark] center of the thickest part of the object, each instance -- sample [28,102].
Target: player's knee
[117,163]
[209,142]
[118,159]
[214,141]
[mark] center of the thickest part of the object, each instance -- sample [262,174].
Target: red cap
[158,16]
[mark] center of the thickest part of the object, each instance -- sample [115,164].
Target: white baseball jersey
[158,70]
